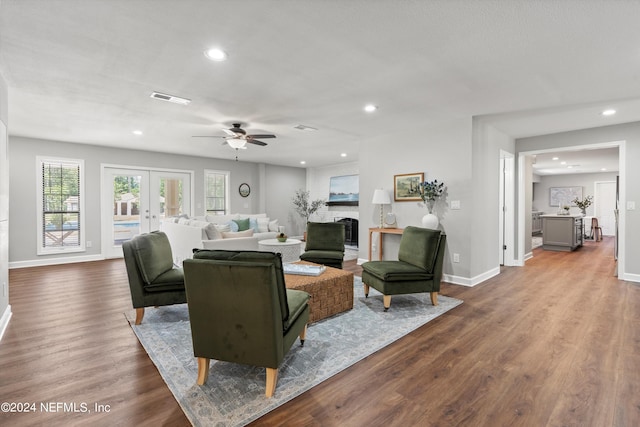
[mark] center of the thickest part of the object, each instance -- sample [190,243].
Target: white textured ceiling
[82,71]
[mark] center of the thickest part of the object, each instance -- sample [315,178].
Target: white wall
[484,186]
[270,188]
[5,308]
[442,152]
[584,180]
[318,186]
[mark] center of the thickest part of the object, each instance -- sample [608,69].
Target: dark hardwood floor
[554,343]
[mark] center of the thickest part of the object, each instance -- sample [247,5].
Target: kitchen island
[561,232]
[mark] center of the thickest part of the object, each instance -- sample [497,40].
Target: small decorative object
[281,237]
[583,204]
[429,192]
[566,209]
[390,221]
[405,187]
[303,207]
[244,189]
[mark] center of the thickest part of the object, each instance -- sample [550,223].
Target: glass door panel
[136,201]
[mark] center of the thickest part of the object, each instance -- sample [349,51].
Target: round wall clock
[244,189]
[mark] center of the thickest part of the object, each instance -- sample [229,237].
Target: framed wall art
[564,195]
[405,187]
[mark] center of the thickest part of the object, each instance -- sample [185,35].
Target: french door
[136,200]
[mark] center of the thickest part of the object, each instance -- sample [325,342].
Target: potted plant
[583,204]
[304,207]
[429,192]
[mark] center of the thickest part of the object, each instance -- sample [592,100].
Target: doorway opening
[524,181]
[135,201]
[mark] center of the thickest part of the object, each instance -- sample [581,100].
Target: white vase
[430,221]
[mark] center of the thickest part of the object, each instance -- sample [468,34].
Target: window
[60,208]
[216,192]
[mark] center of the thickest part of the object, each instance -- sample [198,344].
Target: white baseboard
[528,256]
[630,277]
[4,320]
[54,261]
[473,281]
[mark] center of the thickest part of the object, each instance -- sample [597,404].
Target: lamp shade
[380,197]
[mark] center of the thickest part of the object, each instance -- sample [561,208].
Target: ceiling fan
[237,137]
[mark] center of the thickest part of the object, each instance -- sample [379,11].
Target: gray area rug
[234,394]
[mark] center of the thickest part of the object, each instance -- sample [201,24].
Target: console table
[382,232]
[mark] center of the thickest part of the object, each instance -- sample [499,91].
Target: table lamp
[381,197]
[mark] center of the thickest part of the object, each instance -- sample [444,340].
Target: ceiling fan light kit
[236,143]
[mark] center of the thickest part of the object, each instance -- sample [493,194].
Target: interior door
[136,200]
[605,206]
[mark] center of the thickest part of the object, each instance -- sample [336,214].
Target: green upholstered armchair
[325,243]
[418,269]
[241,312]
[153,279]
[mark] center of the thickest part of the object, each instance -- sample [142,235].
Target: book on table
[304,270]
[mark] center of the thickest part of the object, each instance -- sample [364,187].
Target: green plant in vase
[583,204]
[306,208]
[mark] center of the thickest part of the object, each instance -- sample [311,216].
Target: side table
[290,249]
[382,231]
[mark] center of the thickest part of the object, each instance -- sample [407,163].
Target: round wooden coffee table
[290,249]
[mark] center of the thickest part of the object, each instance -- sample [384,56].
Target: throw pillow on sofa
[209,228]
[243,224]
[263,225]
[222,227]
[273,225]
[236,234]
[253,224]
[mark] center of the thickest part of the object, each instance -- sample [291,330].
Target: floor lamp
[381,197]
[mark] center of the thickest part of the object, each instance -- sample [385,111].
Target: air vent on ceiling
[170,98]
[303,127]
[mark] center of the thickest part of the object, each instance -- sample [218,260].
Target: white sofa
[186,234]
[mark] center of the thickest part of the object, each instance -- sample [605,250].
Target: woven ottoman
[331,292]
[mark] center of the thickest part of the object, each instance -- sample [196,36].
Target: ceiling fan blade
[229,132]
[261,136]
[255,141]
[207,136]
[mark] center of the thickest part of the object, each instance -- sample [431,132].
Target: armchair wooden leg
[366,290]
[272,379]
[203,370]
[139,315]
[303,335]
[434,298]
[386,301]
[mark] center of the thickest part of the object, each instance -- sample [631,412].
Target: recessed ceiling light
[603,169]
[343,155]
[216,54]
[555,158]
[563,163]
[370,108]
[569,167]
[137,132]
[609,112]
[302,162]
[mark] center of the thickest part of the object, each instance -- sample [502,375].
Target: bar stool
[596,230]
